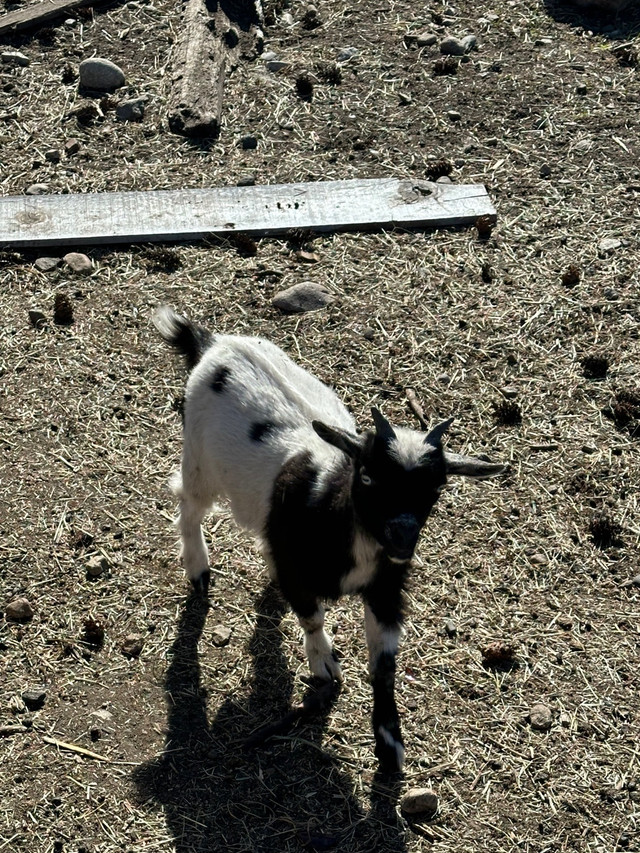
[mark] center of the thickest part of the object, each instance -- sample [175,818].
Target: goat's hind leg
[195,556]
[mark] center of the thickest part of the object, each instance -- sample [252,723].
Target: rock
[450,627]
[454,115]
[96,565]
[269,55]
[469,43]
[452,47]
[276,65]
[52,155]
[47,264]
[347,53]
[444,179]
[248,143]
[71,146]
[101,75]
[540,717]
[539,559]
[247,180]
[14,57]
[37,318]
[34,699]
[306,296]
[19,610]
[608,245]
[220,636]
[426,39]
[131,110]
[420,801]
[78,262]
[132,646]
[37,189]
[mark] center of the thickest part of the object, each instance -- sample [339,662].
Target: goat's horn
[434,438]
[384,430]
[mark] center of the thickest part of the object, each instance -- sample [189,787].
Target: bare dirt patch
[545,112]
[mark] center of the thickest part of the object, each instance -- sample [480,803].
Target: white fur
[220,459]
[365,551]
[408,447]
[380,638]
[318,649]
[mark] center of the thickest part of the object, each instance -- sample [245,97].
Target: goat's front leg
[383,635]
[317,645]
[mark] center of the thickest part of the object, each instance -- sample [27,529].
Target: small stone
[132,646]
[608,245]
[103,715]
[14,57]
[269,55]
[248,143]
[34,699]
[347,53]
[450,627]
[581,89]
[101,75]
[37,189]
[420,801]
[369,334]
[469,43]
[509,392]
[277,65]
[454,115]
[611,294]
[71,146]
[426,39]
[444,179]
[247,180]
[37,318]
[220,636]
[540,717]
[19,610]
[545,171]
[78,262]
[306,296]
[70,22]
[47,264]
[52,155]
[96,565]
[539,559]
[131,110]
[452,47]
[307,257]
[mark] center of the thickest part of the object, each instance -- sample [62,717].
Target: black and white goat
[335,512]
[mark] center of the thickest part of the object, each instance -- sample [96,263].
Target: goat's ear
[469,466]
[340,438]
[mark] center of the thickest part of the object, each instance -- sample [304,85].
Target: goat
[334,512]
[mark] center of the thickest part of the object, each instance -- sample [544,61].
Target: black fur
[189,339]
[220,379]
[261,431]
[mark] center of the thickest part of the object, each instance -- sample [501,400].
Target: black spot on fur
[220,378]
[310,536]
[260,431]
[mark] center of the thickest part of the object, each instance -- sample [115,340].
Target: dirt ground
[530,337]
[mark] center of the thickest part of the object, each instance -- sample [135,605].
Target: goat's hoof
[201,583]
[389,751]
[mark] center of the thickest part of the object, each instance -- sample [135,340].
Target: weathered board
[128,217]
[33,16]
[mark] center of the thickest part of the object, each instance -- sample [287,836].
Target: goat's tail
[188,338]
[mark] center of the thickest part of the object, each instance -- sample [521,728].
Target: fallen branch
[72,747]
[415,407]
[7,731]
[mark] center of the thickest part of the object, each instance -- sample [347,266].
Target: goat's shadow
[613,26]
[288,794]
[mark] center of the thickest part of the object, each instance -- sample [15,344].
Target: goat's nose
[402,535]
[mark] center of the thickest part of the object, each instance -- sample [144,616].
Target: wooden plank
[93,218]
[39,13]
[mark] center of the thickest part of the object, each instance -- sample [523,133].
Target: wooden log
[33,16]
[91,218]
[198,79]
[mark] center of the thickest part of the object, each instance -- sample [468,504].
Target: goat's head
[398,476]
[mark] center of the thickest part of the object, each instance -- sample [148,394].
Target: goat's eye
[365,479]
